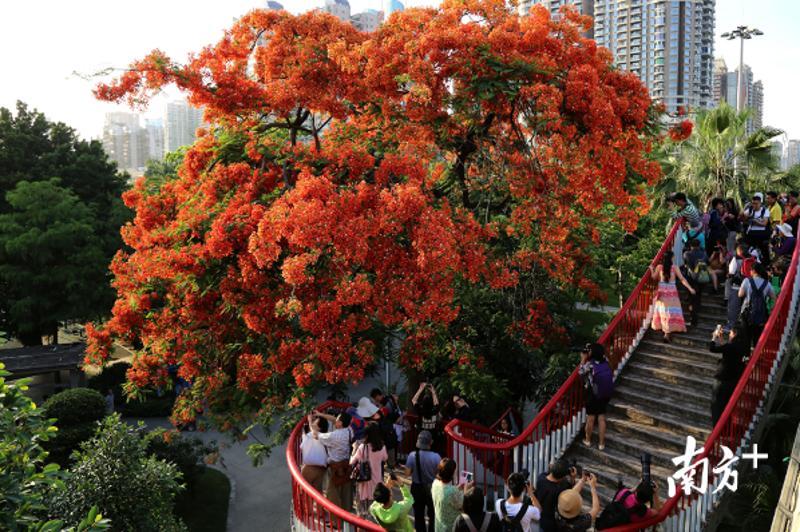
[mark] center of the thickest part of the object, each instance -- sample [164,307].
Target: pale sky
[43,41]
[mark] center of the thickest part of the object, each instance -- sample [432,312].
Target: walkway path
[261,494]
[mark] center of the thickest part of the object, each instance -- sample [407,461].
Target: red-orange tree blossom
[350,182]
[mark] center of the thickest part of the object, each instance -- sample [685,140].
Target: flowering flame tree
[350,183]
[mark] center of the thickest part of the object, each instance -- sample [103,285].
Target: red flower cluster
[681,131]
[346,187]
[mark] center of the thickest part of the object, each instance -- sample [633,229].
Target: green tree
[52,263]
[156,173]
[34,149]
[706,164]
[114,472]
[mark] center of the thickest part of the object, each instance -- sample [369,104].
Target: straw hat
[569,504]
[366,408]
[785,229]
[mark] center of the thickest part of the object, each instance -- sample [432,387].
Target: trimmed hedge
[77,411]
[74,406]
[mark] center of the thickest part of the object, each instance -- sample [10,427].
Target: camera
[646,460]
[578,469]
[525,473]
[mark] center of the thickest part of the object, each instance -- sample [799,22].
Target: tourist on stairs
[754,293]
[598,379]
[729,367]
[474,518]
[667,315]
[371,451]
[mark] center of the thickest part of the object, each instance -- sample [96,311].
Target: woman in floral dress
[667,314]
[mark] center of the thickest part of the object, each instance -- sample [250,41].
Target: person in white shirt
[756,218]
[314,455]
[515,509]
[337,443]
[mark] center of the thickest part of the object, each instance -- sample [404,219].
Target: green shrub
[77,411]
[114,473]
[74,406]
[186,452]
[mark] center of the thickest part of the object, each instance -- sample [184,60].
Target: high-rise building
[792,153]
[155,138]
[719,81]
[390,6]
[669,44]
[181,121]
[368,21]
[125,141]
[757,106]
[338,8]
[584,7]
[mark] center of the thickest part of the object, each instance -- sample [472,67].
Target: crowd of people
[352,455]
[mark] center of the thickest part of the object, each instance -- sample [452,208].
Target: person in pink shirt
[635,502]
[371,450]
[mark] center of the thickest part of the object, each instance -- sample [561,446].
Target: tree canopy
[354,186]
[60,215]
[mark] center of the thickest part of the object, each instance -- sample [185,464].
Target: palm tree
[719,159]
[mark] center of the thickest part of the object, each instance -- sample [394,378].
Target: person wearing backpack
[515,513]
[630,506]
[757,229]
[474,518]
[570,516]
[735,278]
[754,293]
[598,379]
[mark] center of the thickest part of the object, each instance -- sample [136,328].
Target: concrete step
[680,350]
[691,338]
[687,366]
[663,438]
[676,392]
[632,412]
[667,375]
[685,409]
[625,443]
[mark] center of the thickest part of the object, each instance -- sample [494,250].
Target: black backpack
[615,513]
[512,524]
[757,305]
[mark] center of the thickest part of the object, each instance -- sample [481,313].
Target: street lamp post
[742,33]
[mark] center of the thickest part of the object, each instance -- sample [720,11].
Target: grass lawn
[587,321]
[205,509]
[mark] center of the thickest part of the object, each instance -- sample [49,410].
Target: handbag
[362,470]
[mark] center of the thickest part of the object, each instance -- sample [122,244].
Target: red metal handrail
[741,409]
[309,506]
[632,312]
[554,428]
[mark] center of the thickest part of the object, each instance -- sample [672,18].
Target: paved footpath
[260,495]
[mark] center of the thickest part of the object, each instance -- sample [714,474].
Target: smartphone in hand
[466,477]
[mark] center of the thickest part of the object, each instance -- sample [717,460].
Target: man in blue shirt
[421,466]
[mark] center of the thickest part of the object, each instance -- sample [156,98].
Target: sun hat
[424,440]
[569,504]
[759,195]
[366,408]
[785,229]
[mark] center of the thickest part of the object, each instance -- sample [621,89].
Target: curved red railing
[560,419]
[735,426]
[310,509]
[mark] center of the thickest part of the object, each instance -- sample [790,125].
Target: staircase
[661,396]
